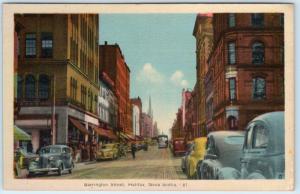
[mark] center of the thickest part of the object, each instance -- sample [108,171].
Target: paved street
[152,164]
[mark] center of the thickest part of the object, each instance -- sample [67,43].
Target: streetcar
[162,141]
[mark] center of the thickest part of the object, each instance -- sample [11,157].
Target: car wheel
[60,169]
[70,171]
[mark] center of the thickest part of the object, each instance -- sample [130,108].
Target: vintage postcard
[177,97]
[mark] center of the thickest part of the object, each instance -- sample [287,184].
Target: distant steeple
[150,111]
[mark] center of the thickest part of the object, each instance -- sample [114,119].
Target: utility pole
[53,119]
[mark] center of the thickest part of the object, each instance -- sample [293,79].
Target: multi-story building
[107,106]
[247,63]
[203,33]
[57,83]
[177,128]
[137,115]
[113,63]
[147,121]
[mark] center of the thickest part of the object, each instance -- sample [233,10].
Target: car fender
[212,165]
[256,175]
[228,173]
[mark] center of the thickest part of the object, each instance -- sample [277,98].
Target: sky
[160,52]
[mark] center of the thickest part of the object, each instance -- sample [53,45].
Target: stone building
[203,32]
[113,63]
[57,83]
[137,115]
[247,67]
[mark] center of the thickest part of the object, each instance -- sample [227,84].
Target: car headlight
[37,159]
[51,158]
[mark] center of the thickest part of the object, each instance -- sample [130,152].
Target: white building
[136,119]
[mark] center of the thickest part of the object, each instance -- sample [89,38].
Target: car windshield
[234,140]
[50,150]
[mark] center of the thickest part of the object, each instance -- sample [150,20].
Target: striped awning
[79,126]
[21,135]
[105,133]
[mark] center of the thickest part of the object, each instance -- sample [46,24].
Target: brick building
[58,67]
[177,128]
[247,67]
[203,32]
[113,63]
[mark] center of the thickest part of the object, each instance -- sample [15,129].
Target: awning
[79,126]
[19,134]
[127,136]
[105,133]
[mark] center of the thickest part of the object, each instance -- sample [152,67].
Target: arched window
[259,88]
[30,87]
[44,86]
[258,53]
[19,87]
[232,123]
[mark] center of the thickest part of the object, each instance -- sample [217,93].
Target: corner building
[57,83]
[247,67]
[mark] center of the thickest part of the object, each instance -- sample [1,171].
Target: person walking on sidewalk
[133,149]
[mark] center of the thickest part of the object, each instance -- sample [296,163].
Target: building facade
[247,62]
[203,32]
[57,83]
[137,108]
[107,106]
[113,63]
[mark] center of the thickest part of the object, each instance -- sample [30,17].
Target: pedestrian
[29,147]
[133,150]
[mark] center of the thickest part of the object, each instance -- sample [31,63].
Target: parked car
[223,150]
[196,156]
[263,151]
[21,161]
[189,149]
[178,146]
[108,151]
[56,158]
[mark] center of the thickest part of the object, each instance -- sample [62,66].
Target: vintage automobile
[189,150]
[21,161]
[196,156]
[223,149]
[263,151]
[56,158]
[108,151]
[178,146]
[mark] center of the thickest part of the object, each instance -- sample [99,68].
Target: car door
[256,162]
[67,158]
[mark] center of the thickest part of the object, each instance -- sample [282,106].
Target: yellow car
[196,156]
[108,151]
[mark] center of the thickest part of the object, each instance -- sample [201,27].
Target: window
[259,88]
[19,87]
[232,89]
[231,20]
[281,19]
[83,95]
[257,19]
[30,87]
[47,44]
[260,136]
[258,53]
[30,45]
[232,123]
[44,87]
[231,53]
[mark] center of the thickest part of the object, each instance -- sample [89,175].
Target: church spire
[150,111]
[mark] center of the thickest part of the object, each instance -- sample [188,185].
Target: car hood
[106,150]
[49,155]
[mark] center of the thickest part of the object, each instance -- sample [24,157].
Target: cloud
[177,79]
[150,74]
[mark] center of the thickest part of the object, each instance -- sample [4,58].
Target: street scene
[149,96]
